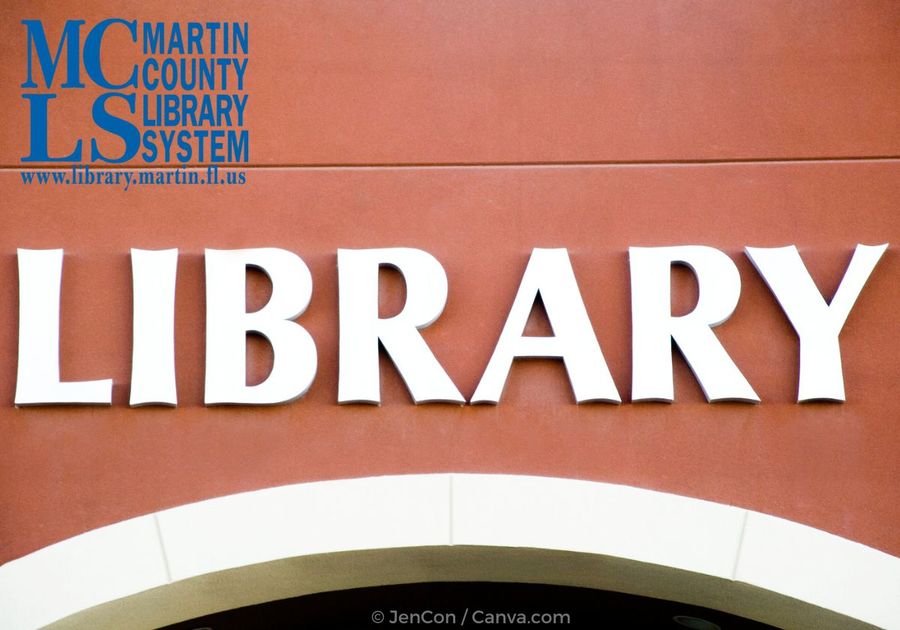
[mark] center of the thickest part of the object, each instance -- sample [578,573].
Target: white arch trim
[292,540]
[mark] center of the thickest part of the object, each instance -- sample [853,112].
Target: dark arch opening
[471,604]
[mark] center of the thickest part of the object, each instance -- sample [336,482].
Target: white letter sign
[549,273]
[153,344]
[37,382]
[654,328]
[362,329]
[228,322]
[817,324]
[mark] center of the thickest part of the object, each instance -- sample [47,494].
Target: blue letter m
[37,43]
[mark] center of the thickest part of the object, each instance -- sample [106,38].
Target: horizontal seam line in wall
[415,165]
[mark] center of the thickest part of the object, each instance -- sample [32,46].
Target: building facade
[596,295]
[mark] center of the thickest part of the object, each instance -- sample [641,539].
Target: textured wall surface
[476,131]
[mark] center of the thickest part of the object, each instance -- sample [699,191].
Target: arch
[293,540]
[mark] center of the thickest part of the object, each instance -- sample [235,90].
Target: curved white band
[293,540]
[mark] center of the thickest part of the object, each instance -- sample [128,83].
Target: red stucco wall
[764,124]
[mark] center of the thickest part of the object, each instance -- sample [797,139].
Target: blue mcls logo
[39,48]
